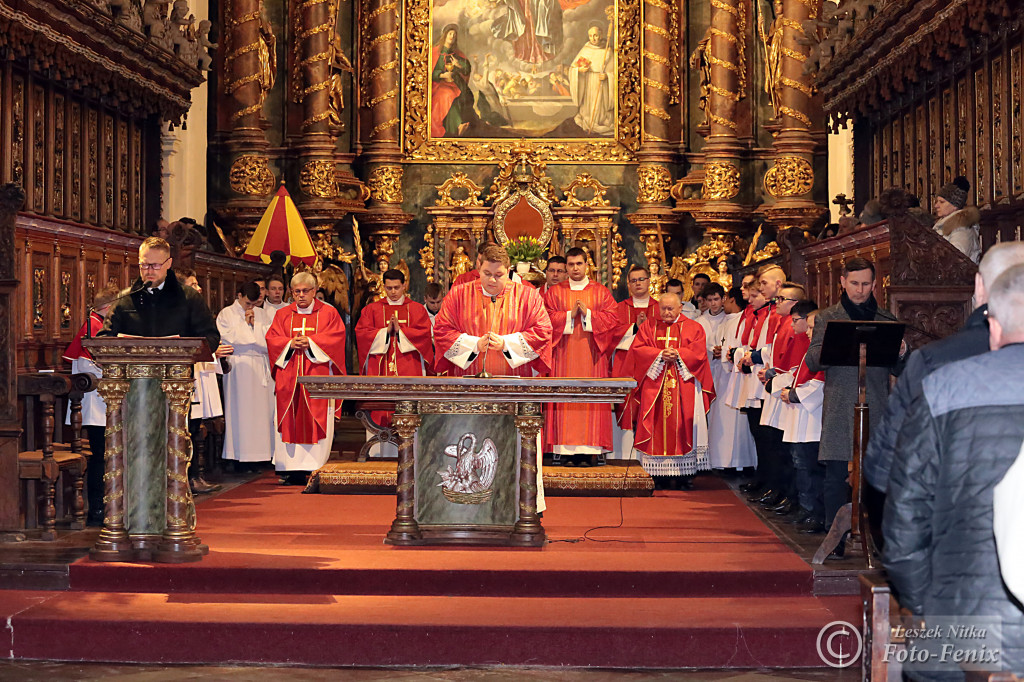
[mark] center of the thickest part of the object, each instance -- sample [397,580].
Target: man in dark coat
[970,341]
[836,451]
[962,433]
[159,305]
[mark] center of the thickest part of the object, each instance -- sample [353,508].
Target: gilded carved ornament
[522,167]
[385,184]
[427,258]
[251,174]
[317,179]
[459,180]
[585,181]
[721,180]
[618,259]
[791,176]
[654,184]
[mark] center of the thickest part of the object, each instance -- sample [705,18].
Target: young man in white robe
[731,447]
[248,389]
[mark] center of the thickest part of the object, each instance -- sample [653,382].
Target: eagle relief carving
[470,481]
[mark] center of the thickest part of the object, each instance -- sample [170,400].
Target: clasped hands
[223,350]
[250,316]
[489,341]
[300,342]
[641,318]
[579,309]
[784,396]
[670,354]
[393,326]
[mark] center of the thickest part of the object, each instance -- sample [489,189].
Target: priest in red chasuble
[675,387]
[307,338]
[393,339]
[584,320]
[632,313]
[493,324]
[497,325]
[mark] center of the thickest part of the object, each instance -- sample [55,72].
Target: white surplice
[730,444]
[248,388]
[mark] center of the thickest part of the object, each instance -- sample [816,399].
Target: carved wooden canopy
[103,45]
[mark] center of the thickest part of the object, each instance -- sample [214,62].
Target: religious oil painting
[553,74]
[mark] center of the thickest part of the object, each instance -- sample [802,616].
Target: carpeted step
[436,631]
[464,582]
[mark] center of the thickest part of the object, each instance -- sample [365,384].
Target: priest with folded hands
[675,390]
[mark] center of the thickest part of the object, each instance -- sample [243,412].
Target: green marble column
[145,480]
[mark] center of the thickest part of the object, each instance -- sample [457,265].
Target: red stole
[667,404]
[302,419]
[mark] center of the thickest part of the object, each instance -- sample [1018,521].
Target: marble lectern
[148,510]
[470,476]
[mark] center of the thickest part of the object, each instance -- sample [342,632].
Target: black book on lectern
[841,345]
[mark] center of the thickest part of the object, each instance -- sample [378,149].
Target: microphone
[89,309]
[494,299]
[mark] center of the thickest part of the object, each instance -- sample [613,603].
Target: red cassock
[414,323]
[75,349]
[471,276]
[302,419]
[665,419]
[580,354]
[627,324]
[517,310]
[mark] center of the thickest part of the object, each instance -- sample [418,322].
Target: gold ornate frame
[416,142]
[502,208]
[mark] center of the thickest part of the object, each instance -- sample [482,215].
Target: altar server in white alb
[94,410]
[801,429]
[206,403]
[730,444]
[248,388]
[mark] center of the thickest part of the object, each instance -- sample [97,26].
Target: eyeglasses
[638,281]
[153,266]
[783,298]
[797,319]
[302,291]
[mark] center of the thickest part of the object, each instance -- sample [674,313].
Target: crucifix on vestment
[668,338]
[303,329]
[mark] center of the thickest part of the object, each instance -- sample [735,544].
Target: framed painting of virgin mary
[560,76]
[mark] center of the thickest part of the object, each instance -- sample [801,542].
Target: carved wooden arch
[505,206]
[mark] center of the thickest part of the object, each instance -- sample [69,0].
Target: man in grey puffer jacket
[962,433]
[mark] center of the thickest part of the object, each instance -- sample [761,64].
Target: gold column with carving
[660,70]
[178,544]
[113,543]
[379,89]
[528,531]
[249,73]
[327,189]
[404,529]
[799,119]
[720,58]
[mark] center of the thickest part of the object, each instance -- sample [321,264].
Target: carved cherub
[182,23]
[205,60]
[153,17]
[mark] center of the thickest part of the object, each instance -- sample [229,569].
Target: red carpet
[690,580]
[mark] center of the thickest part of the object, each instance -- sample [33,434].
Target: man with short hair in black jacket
[158,304]
[962,433]
[971,340]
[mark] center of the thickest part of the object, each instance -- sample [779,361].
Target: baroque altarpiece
[647,131]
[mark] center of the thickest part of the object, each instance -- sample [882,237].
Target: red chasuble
[471,276]
[467,310]
[627,317]
[75,349]
[580,354]
[302,419]
[665,419]
[415,325]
